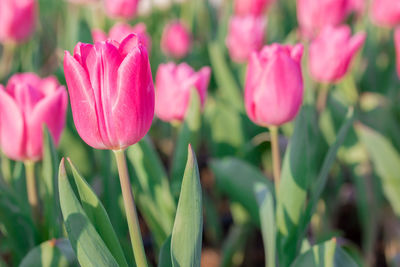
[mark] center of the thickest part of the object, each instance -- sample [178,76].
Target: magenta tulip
[121,30]
[251,7]
[17,20]
[121,8]
[111,92]
[176,40]
[274,84]
[386,12]
[397,47]
[245,35]
[26,104]
[313,15]
[331,53]
[173,89]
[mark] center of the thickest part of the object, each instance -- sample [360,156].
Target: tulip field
[192,133]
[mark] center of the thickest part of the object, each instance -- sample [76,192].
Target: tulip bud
[121,8]
[274,84]
[121,30]
[111,92]
[251,7]
[245,35]
[17,20]
[397,47]
[176,40]
[26,104]
[173,89]
[386,12]
[313,15]
[332,51]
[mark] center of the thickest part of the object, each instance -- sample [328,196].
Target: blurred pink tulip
[173,89]
[356,6]
[26,104]
[313,15]
[17,20]
[397,47]
[332,51]
[245,35]
[251,7]
[111,92]
[121,30]
[121,8]
[386,12]
[274,84]
[176,40]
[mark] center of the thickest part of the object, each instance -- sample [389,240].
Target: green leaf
[86,242]
[327,254]
[186,239]
[267,220]
[235,244]
[386,160]
[189,134]
[164,259]
[152,192]
[51,203]
[98,216]
[52,253]
[237,179]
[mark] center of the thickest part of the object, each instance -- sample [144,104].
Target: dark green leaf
[164,259]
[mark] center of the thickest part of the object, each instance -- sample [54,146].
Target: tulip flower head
[176,40]
[121,8]
[111,92]
[331,53]
[245,35]
[274,84]
[26,104]
[386,12]
[121,30]
[17,20]
[313,15]
[173,89]
[251,7]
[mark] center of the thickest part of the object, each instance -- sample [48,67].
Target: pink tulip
[111,92]
[173,89]
[397,47]
[332,51]
[26,104]
[274,84]
[121,30]
[176,40]
[245,35]
[251,7]
[121,8]
[313,15]
[356,6]
[17,20]
[386,12]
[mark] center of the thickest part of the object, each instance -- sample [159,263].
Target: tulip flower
[121,30]
[251,7]
[313,15]
[121,8]
[356,6]
[331,53]
[397,47]
[173,89]
[386,12]
[17,20]
[112,100]
[245,35]
[176,40]
[26,104]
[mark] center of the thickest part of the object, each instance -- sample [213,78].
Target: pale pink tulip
[121,8]
[251,7]
[26,105]
[176,40]
[173,89]
[386,12]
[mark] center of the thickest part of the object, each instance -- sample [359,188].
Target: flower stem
[276,157]
[6,59]
[322,97]
[131,215]
[32,188]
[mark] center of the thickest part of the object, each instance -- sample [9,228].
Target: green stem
[130,210]
[322,97]
[276,157]
[6,59]
[32,188]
